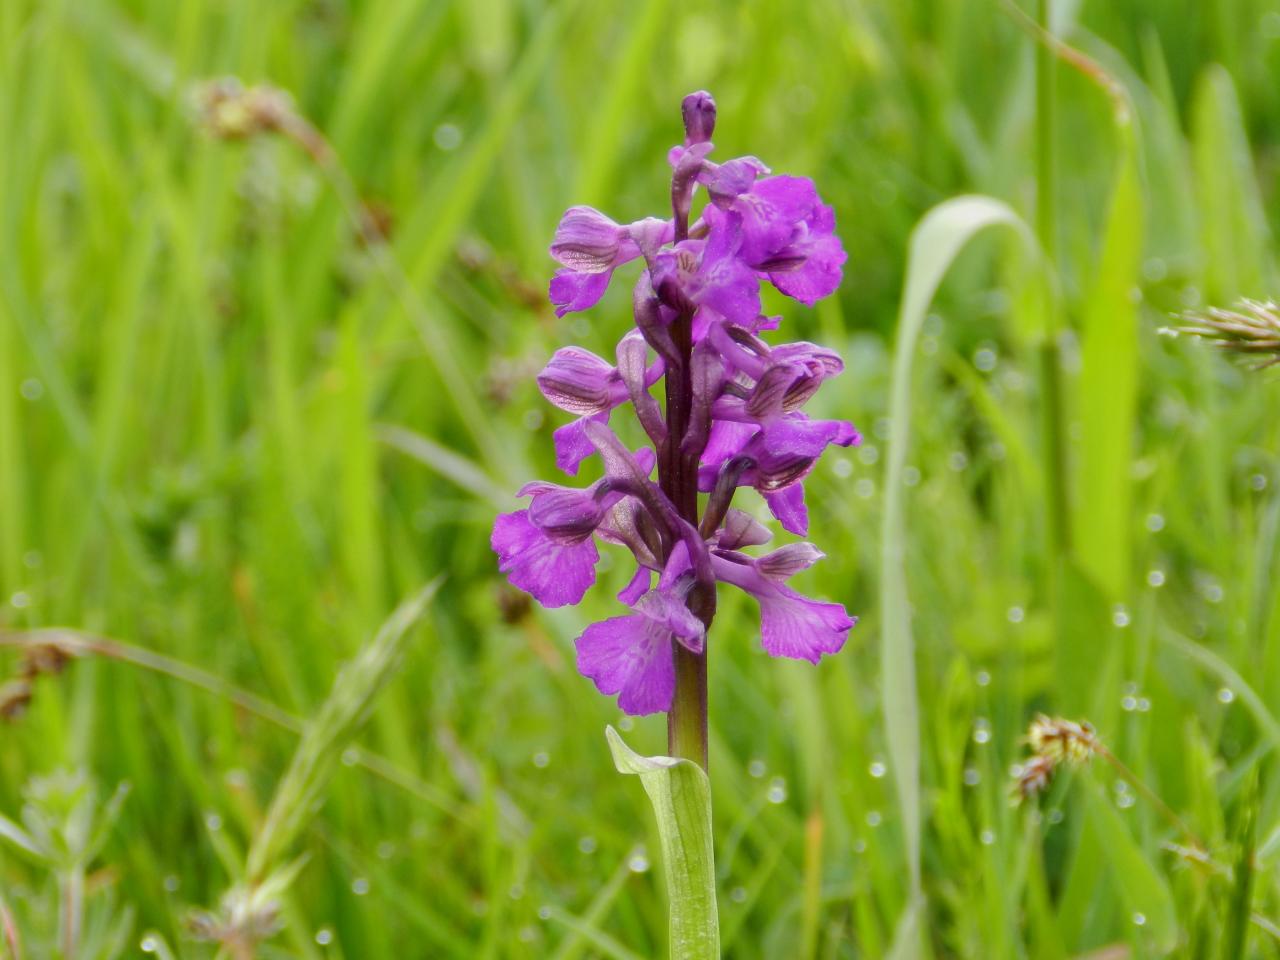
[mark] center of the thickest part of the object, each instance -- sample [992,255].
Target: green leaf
[1109,390]
[1142,888]
[935,244]
[681,796]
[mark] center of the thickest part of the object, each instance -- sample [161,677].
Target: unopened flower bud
[699,111]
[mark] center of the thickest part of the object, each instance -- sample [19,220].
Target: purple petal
[638,586]
[796,435]
[586,240]
[555,574]
[579,381]
[788,506]
[727,440]
[631,657]
[786,562]
[573,445]
[742,530]
[572,291]
[792,625]
[669,611]
[817,276]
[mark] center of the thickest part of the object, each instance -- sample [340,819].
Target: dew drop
[859,846]
[1226,695]
[958,460]
[1016,615]
[868,453]
[985,359]
[738,894]
[516,892]
[1140,919]
[32,559]
[842,467]
[528,934]
[982,678]
[350,757]
[544,913]
[1155,522]
[1120,616]
[324,936]
[386,850]
[587,844]
[865,488]
[988,837]
[756,768]
[20,600]
[1258,482]
[212,822]
[874,819]
[972,777]
[1155,578]
[910,476]
[777,791]
[1213,593]
[1144,705]
[982,730]
[1056,815]
[171,883]
[31,389]
[1128,703]
[541,759]
[447,136]
[877,769]
[626,724]
[149,944]
[359,886]
[639,863]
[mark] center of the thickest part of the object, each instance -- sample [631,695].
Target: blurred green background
[214,396]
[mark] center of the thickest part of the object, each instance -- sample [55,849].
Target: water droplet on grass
[1120,616]
[359,886]
[447,136]
[587,844]
[868,453]
[541,759]
[756,768]
[988,837]
[149,945]
[1139,919]
[982,678]
[985,359]
[639,862]
[31,389]
[738,894]
[874,819]
[972,777]
[1226,695]
[877,769]
[324,936]
[1156,578]
[777,790]
[1128,703]
[865,488]
[1155,522]
[1016,615]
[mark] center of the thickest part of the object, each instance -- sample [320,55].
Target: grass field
[236,432]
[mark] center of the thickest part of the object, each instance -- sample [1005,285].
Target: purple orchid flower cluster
[732,418]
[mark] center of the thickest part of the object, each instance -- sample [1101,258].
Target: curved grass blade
[935,243]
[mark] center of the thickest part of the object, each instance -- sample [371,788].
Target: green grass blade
[935,243]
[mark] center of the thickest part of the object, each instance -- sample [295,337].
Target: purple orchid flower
[733,417]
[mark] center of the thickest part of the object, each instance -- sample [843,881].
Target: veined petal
[556,574]
[572,291]
[572,444]
[632,657]
[788,506]
[579,381]
[587,241]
